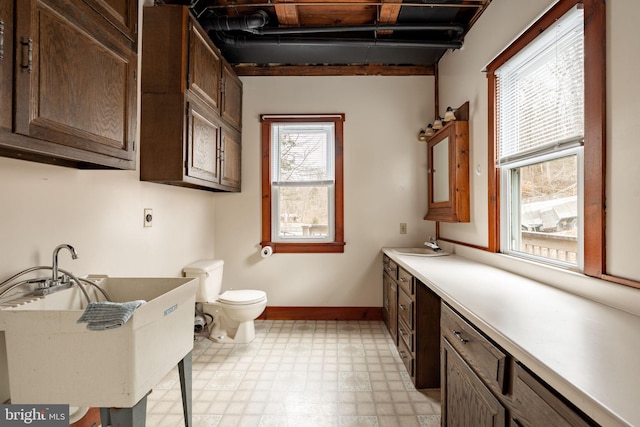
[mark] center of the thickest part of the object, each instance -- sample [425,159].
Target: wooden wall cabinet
[68,82]
[412,314]
[482,385]
[191,105]
[448,173]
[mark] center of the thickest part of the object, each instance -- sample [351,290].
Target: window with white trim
[539,97]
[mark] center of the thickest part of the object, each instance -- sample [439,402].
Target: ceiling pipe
[255,24]
[278,41]
[457,29]
[248,23]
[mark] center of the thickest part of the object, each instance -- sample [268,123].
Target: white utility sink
[54,360]
[422,251]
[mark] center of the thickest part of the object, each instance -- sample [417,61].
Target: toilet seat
[242,297]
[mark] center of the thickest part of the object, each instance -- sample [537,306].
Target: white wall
[461,79]
[100,213]
[384,185]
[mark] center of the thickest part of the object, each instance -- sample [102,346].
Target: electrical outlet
[148,217]
[403,228]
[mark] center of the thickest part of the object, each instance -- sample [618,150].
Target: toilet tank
[209,273]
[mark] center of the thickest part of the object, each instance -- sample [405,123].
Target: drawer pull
[403,307]
[402,279]
[402,332]
[458,334]
[403,355]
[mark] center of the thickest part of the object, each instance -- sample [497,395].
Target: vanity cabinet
[412,314]
[482,385]
[68,82]
[390,297]
[191,105]
[448,173]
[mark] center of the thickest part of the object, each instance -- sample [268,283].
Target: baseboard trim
[321,313]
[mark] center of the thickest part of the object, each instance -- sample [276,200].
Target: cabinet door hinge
[1,39]
[134,145]
[135,75]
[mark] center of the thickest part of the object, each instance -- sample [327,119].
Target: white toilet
[233,311]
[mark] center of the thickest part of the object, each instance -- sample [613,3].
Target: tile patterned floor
[298,374]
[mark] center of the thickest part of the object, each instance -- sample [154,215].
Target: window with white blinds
[540,93]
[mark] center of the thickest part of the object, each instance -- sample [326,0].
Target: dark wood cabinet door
[203,136]
[393,311]
[467,402]
[231,155]
[75,81]
[231,97]
[6,63]
[385,299]
[204,67]
[123,14]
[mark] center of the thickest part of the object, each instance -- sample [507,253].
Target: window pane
[304,212]
[304,152]
[546,220]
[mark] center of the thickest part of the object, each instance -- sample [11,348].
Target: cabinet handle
[29,44]
[402,332]
[458,334]
[402,279]
[1,39]
[403,355]
[403,307]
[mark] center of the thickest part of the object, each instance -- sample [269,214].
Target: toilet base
[243,334]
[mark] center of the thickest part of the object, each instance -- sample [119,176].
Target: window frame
[594,131]
[305,246]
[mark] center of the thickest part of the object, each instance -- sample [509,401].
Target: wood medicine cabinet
[448,173]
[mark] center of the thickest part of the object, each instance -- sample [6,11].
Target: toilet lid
[242,297]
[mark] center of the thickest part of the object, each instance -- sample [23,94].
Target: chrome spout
[55,280]
[433,244]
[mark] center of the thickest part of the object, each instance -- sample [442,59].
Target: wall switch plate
[403,228]
[148,217]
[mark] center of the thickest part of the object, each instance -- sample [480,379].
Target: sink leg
[125,417]
[184,369]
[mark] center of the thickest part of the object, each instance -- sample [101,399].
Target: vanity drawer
[407,335]
[536,405]
[405,308]
[390,267]
[487,360]
[406,356]
[405,280]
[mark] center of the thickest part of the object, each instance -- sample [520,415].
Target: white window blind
[540,93]
[303,153]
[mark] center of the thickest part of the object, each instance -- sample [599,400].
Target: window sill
[293,248]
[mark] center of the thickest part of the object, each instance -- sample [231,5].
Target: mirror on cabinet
[440,152]
[448,173]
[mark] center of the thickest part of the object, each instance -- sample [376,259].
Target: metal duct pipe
[231,23]
[457,29]
[277,41]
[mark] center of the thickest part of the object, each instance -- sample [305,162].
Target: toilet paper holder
[266,252]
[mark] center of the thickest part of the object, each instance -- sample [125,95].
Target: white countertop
[587,351]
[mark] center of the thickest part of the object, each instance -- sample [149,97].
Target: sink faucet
[433,244]
[54,276]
